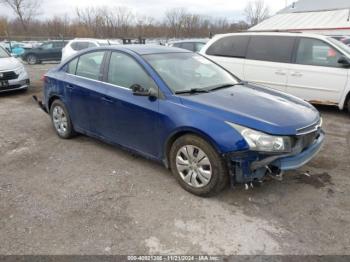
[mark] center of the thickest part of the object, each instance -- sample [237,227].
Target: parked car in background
[178,107]
[338,37]
[191,45]
[15,48]
[79,44]
[13,75]
[315,68]
[48,51]
[346,41]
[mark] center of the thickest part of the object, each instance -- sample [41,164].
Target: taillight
[43,78]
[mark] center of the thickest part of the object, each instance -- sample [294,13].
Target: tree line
[119,22]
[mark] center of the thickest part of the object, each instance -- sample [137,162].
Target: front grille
[311,128]
[8,75]
[308,139]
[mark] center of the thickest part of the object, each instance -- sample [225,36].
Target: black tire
[69,130]
[348,105]
[219,178]
[32,59]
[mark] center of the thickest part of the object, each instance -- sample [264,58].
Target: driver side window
[317,53]
[124,71]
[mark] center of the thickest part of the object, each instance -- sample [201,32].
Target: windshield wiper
[192,91]
[225,86]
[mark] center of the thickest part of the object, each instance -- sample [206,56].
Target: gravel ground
[82,196]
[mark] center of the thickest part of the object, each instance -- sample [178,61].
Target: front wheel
[61,120]
[197,166]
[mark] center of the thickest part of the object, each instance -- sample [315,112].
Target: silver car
[13,75]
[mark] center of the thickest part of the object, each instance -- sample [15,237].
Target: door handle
[69,86]
[297,74]
[280,73]
[106,99]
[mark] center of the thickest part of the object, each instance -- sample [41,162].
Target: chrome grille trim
[310,128]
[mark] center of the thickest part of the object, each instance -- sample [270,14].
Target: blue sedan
[174,106]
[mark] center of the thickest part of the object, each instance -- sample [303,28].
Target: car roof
[189,41]
[295,34]
[147,49]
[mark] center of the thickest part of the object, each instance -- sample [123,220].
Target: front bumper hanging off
[247,167]
[40,104]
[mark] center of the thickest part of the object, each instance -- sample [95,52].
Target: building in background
[328,17]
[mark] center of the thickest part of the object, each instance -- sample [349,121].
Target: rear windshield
[3,53]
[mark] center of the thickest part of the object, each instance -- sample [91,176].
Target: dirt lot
[82,196]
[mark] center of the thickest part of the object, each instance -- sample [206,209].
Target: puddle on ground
[315,180]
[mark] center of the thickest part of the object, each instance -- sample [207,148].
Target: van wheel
[197,166]
[348,105]
[61,120]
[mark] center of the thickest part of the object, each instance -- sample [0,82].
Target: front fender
[178,120]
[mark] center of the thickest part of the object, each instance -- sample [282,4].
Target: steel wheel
[60,120]
[194,166]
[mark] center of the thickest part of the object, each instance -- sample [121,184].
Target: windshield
[3,53]
[186,71]
[340,45]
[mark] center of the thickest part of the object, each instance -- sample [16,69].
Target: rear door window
[89,65]
[316,52]
[231,46]
[271,48]
[47,46]
[58,44]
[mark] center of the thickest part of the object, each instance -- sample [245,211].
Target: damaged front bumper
[249,166]
[40,104]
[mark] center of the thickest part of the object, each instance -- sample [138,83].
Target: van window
[316,52]
[231,46]
[271,48]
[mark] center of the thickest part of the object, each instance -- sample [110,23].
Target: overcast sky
[231,9]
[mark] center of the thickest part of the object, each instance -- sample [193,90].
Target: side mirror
[138,90]
[344,61]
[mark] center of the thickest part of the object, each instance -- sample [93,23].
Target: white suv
[315,68]
[78,44]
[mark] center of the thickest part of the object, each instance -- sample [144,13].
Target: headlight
[259,141]
[20,70]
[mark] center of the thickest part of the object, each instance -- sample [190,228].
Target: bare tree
[256,11]
[123,19]
[25,10]
[175,19]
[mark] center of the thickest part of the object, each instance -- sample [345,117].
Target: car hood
[9,63]
[256,107]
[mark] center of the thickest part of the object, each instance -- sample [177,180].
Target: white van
[313,67]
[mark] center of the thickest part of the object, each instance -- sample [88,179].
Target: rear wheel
[61,120]
[348,104]
[32,59]
[197,166]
